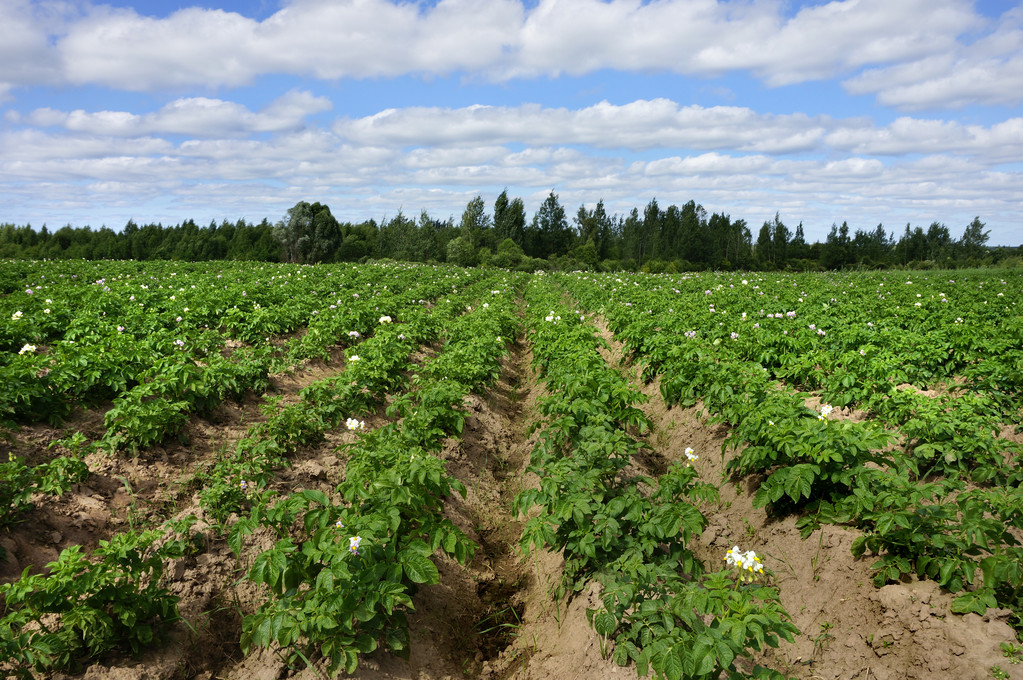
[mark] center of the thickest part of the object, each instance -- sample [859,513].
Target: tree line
[656,239]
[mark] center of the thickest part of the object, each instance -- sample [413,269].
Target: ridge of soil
[849,628]
[494,619]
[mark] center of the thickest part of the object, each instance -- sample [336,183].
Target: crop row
[164,347]
[853,351]
[391,499]
[343,570]
[914,503]
[630,531]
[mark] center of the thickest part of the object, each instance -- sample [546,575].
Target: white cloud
[989,82]
[194,116]
[262,175]
[703,37]
[440,158]
[904,40]
[25,54]
[120,49]
[31,146]
[663,124]
[643,124]
[372,38]
[987,72]
[731,159]
[318,38]
[710,164]
[999,143]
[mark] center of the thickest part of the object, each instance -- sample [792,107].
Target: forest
[656,239]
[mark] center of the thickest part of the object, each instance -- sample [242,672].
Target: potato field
[257,471]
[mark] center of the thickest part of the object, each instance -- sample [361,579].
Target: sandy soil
[494,619]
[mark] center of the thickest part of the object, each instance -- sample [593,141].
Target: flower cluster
[747,563]
[353,544]
[353,424]
[826,410]
[385,319]
[16,315]
[691,456]
[27,349]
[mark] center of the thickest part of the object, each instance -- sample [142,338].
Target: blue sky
[888,112]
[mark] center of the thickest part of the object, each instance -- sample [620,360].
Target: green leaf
[419,568]
[976,601]
[604,623]
[316,496]
[672,665]
[365,643]
[450,542]
[620,655]
[351,661]
[396,639]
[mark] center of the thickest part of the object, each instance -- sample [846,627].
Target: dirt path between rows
[495,619]
[849,628]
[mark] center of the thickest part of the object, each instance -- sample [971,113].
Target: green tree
[798,248]
[397,238]
[650,231]
[265,247]
[939,243]
[587,253]
[872,248]
[509,219]
[476,225]
[781,236]
[309,233]
[765,245]
[693,239]
[632,237]
[551,228]
[597,226]
[509,254]
[912,246]
[461,252]
[974,242]
[426,245]
[837,250]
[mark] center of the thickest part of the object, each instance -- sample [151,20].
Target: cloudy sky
[867,111]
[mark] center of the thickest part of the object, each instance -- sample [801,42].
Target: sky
[868,112]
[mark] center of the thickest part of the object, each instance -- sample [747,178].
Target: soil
[496,618]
